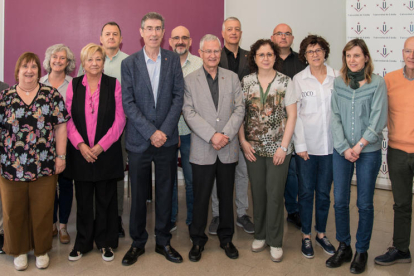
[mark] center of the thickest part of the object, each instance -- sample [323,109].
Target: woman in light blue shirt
[359,115]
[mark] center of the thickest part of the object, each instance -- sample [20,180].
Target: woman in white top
[313,140]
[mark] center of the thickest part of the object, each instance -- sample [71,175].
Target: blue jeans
[291,188]
[315,181]
[367,168]
[63,202]
[188,178]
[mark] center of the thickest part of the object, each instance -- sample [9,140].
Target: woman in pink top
[94,101]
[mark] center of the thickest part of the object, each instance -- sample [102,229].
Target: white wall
[321,17]
[1,40]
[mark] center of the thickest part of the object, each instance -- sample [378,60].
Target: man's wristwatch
[63,157]
[283,148]
[361,145]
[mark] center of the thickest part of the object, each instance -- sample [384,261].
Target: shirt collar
[147,58]
[405,75]
[228,52]
[114,57]
[307,72]
[85,81]
[208,74]
[188,59]
[45,78]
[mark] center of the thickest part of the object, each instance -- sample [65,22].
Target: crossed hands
[219,140]
[352,155]
[158,138]
[90,154]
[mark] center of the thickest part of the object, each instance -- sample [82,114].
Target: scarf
[355,78]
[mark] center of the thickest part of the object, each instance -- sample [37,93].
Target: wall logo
[410,5]
[410,28]
[384,53]
[384,168]
[358,7]
[384,142]
[384,6]
[358,29]
[384,29]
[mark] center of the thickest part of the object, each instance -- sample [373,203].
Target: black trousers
[104,228]
[165,170]
[203,181]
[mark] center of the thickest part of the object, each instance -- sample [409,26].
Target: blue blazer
[143,117]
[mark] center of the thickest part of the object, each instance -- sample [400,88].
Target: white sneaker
[276,254]
[107,254]
[258,245]
[20,262]
[42,261]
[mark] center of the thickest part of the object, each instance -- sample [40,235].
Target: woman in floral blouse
[33,147]
[265,139]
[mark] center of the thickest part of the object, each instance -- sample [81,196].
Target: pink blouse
[91,116]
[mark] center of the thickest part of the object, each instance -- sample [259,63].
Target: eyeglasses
[287,34]
[150,29]
[317,51]
[407,52]
[183,38]
[209,52]
[268,55]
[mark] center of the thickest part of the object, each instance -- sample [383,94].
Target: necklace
[27,91]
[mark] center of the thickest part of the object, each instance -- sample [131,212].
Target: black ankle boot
[359,262]
[343,254]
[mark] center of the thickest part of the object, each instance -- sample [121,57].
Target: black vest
[109,164]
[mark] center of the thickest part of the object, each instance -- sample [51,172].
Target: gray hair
[229,19]
[152,15]
[209,37]
[57,48]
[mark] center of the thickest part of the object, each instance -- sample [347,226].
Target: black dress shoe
[295,219]
[132,255]
[121,231]
[169,253]
[343,254]
[195,253]
[359,262]
[230,249]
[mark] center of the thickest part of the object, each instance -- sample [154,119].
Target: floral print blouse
[27,143]
[264,124]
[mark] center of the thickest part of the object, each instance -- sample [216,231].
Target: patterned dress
[266,116]
[27,143]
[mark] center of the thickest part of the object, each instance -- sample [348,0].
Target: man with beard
[180,42]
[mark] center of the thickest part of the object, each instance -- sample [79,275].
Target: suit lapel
[243,61]
[222,89]
[163,72]
[142,69]
[205,89]
[223,59]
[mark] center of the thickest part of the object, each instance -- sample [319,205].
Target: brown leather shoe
[64,236]
[55,232]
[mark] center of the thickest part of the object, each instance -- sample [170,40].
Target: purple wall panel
[35,25]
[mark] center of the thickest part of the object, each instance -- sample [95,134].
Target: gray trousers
[241,186]
[120,185]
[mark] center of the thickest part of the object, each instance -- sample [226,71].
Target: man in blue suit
[152,95]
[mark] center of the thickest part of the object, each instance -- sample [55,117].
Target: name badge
[308,94]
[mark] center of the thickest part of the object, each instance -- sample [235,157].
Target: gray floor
[214,261]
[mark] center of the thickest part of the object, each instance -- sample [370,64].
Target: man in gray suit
[152,96]
[235,59]
[213,109]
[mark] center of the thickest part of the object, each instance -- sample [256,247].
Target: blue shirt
[154,69]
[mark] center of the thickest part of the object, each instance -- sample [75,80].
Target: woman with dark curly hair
[313,140]
[265,139]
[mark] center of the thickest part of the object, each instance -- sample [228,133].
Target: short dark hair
[26,58]
[152,15]
[313,40]
[253,50]
[112,23]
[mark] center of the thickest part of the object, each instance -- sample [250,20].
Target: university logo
[384,30]
[384,5]
[358,7]
[384,168]
[384,52]
[384,144]
[410,5]
[358,28]
[410,28]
